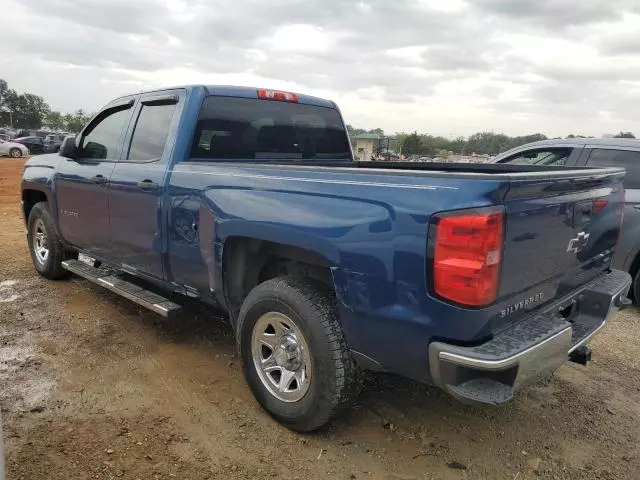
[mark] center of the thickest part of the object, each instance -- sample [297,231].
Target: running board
[106,278]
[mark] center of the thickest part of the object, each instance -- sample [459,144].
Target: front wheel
[295,358]
[47,251]
[15,152]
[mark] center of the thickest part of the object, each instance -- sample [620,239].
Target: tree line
[29,111]
[481,143]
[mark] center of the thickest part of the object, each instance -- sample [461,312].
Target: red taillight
[466,257]
[598,205]
[278,95]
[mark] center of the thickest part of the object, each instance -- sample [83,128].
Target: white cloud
[441,66]
[301,39]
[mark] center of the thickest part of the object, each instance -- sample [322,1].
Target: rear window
[246,128]
[628,159]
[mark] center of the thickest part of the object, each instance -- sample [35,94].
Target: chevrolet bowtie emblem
[578,243]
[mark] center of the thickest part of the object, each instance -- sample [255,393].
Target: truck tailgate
[559,234]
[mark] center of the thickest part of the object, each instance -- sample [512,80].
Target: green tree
[487,143]
[400,137]
[624,135]
[24,110]
[4,88]
[76,121]
[424,144]
[28,110]
[431,145]
[412,145]
[6,95]
[428,145]
[55,120]
[457,145]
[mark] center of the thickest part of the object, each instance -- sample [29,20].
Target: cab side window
[150,133]
[102,141]
[629,159]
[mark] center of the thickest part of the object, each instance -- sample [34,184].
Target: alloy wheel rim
[281,357]
[40,242]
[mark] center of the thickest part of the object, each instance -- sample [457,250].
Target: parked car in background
[592,152]
[13,149]
[53,141]
[5,137]
[34,144]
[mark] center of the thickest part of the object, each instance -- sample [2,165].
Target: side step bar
[106,278]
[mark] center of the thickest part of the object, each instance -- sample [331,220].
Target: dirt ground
[92,386]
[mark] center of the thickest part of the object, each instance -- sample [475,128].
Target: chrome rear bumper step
[533,347]
[107,279]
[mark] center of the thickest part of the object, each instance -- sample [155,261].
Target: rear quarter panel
[371,227]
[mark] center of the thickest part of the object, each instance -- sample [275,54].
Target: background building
[366,145]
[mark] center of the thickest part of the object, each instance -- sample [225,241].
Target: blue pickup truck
[474,278]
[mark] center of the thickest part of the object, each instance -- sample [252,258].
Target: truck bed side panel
[370,228]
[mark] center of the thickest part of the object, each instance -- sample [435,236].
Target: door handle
[147,185]
[99,179]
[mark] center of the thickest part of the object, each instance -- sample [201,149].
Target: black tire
[15,152]
[51,267]
[335,380]
[636,288]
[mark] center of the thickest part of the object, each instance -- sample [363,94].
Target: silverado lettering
[522,304]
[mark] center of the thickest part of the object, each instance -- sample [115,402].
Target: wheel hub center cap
[287,354]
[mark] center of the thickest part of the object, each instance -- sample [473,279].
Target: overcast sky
[438,66]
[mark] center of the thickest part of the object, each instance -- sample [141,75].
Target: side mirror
[68,147]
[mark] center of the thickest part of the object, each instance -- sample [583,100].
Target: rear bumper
[491,372]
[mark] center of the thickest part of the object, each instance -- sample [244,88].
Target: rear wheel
[636,288]
[15,152]
[295,358]
[47,251]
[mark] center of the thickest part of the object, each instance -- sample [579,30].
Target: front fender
[39,173]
